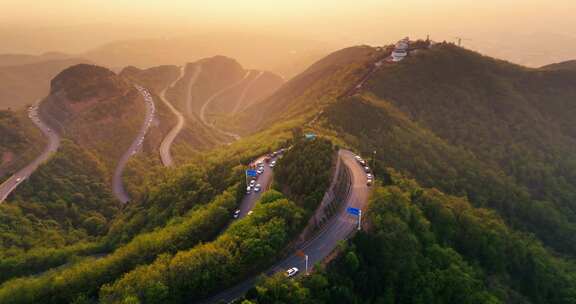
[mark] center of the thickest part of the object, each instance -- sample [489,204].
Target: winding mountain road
[193,79]
[245,91]
[166,144]
[53,143]
[117,183]
[211,99]
[340,227]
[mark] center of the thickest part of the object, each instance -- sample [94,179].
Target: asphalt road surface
[117,183]
[165,155]
[341,227]
[193,79]
[19,177]
[239,104]
[264,179]
[211,99]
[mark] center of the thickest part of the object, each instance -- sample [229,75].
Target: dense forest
[83,279]
[473,203]
[304,174]
[423,246]
[64,201]
[475,141]
[177,210]
[248,244]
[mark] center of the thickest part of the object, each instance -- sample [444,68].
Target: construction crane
[460,39]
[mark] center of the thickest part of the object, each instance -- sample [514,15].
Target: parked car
[291,272]
[248,190]
[250,212]
[369,182]
[237,213]
[252,183]
[257,188]
[367,169]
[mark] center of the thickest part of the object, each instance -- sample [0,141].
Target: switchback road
[117,183]
[53,143]
[166,144]
[340,227]
[211,99]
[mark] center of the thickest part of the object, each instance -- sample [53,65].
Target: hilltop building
[401,50]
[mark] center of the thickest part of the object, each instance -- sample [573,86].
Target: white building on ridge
[401,50]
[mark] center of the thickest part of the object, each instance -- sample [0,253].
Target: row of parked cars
[369,176]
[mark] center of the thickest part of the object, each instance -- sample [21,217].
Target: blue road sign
[353,211]
[310,136]
[251,173]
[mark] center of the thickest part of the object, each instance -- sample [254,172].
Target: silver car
[291,272]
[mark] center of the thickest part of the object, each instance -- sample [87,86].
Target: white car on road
[257,188]
[291,272]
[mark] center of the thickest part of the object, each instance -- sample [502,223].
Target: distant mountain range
[474,158]
[29,80]
[566,65]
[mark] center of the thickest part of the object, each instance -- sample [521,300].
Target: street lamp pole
[374,160]
[359,220]
[306,258]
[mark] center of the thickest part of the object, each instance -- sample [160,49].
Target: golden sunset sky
[489,24]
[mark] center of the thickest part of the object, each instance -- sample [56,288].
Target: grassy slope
[304,95]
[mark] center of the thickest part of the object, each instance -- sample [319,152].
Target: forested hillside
[475,127]
[20,141]
[423,246]
[566,65]
[65,201]
[474,198]
[308,92]
[95,108]
[180,209]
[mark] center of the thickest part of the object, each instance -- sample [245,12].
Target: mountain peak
[83,81]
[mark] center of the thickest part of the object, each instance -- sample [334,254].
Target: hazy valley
[159,171]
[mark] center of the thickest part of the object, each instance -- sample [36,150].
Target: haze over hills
[219,86]
[288,152]
[282,55]
[320,84]
[29,80]
[19,59]
[473,201]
